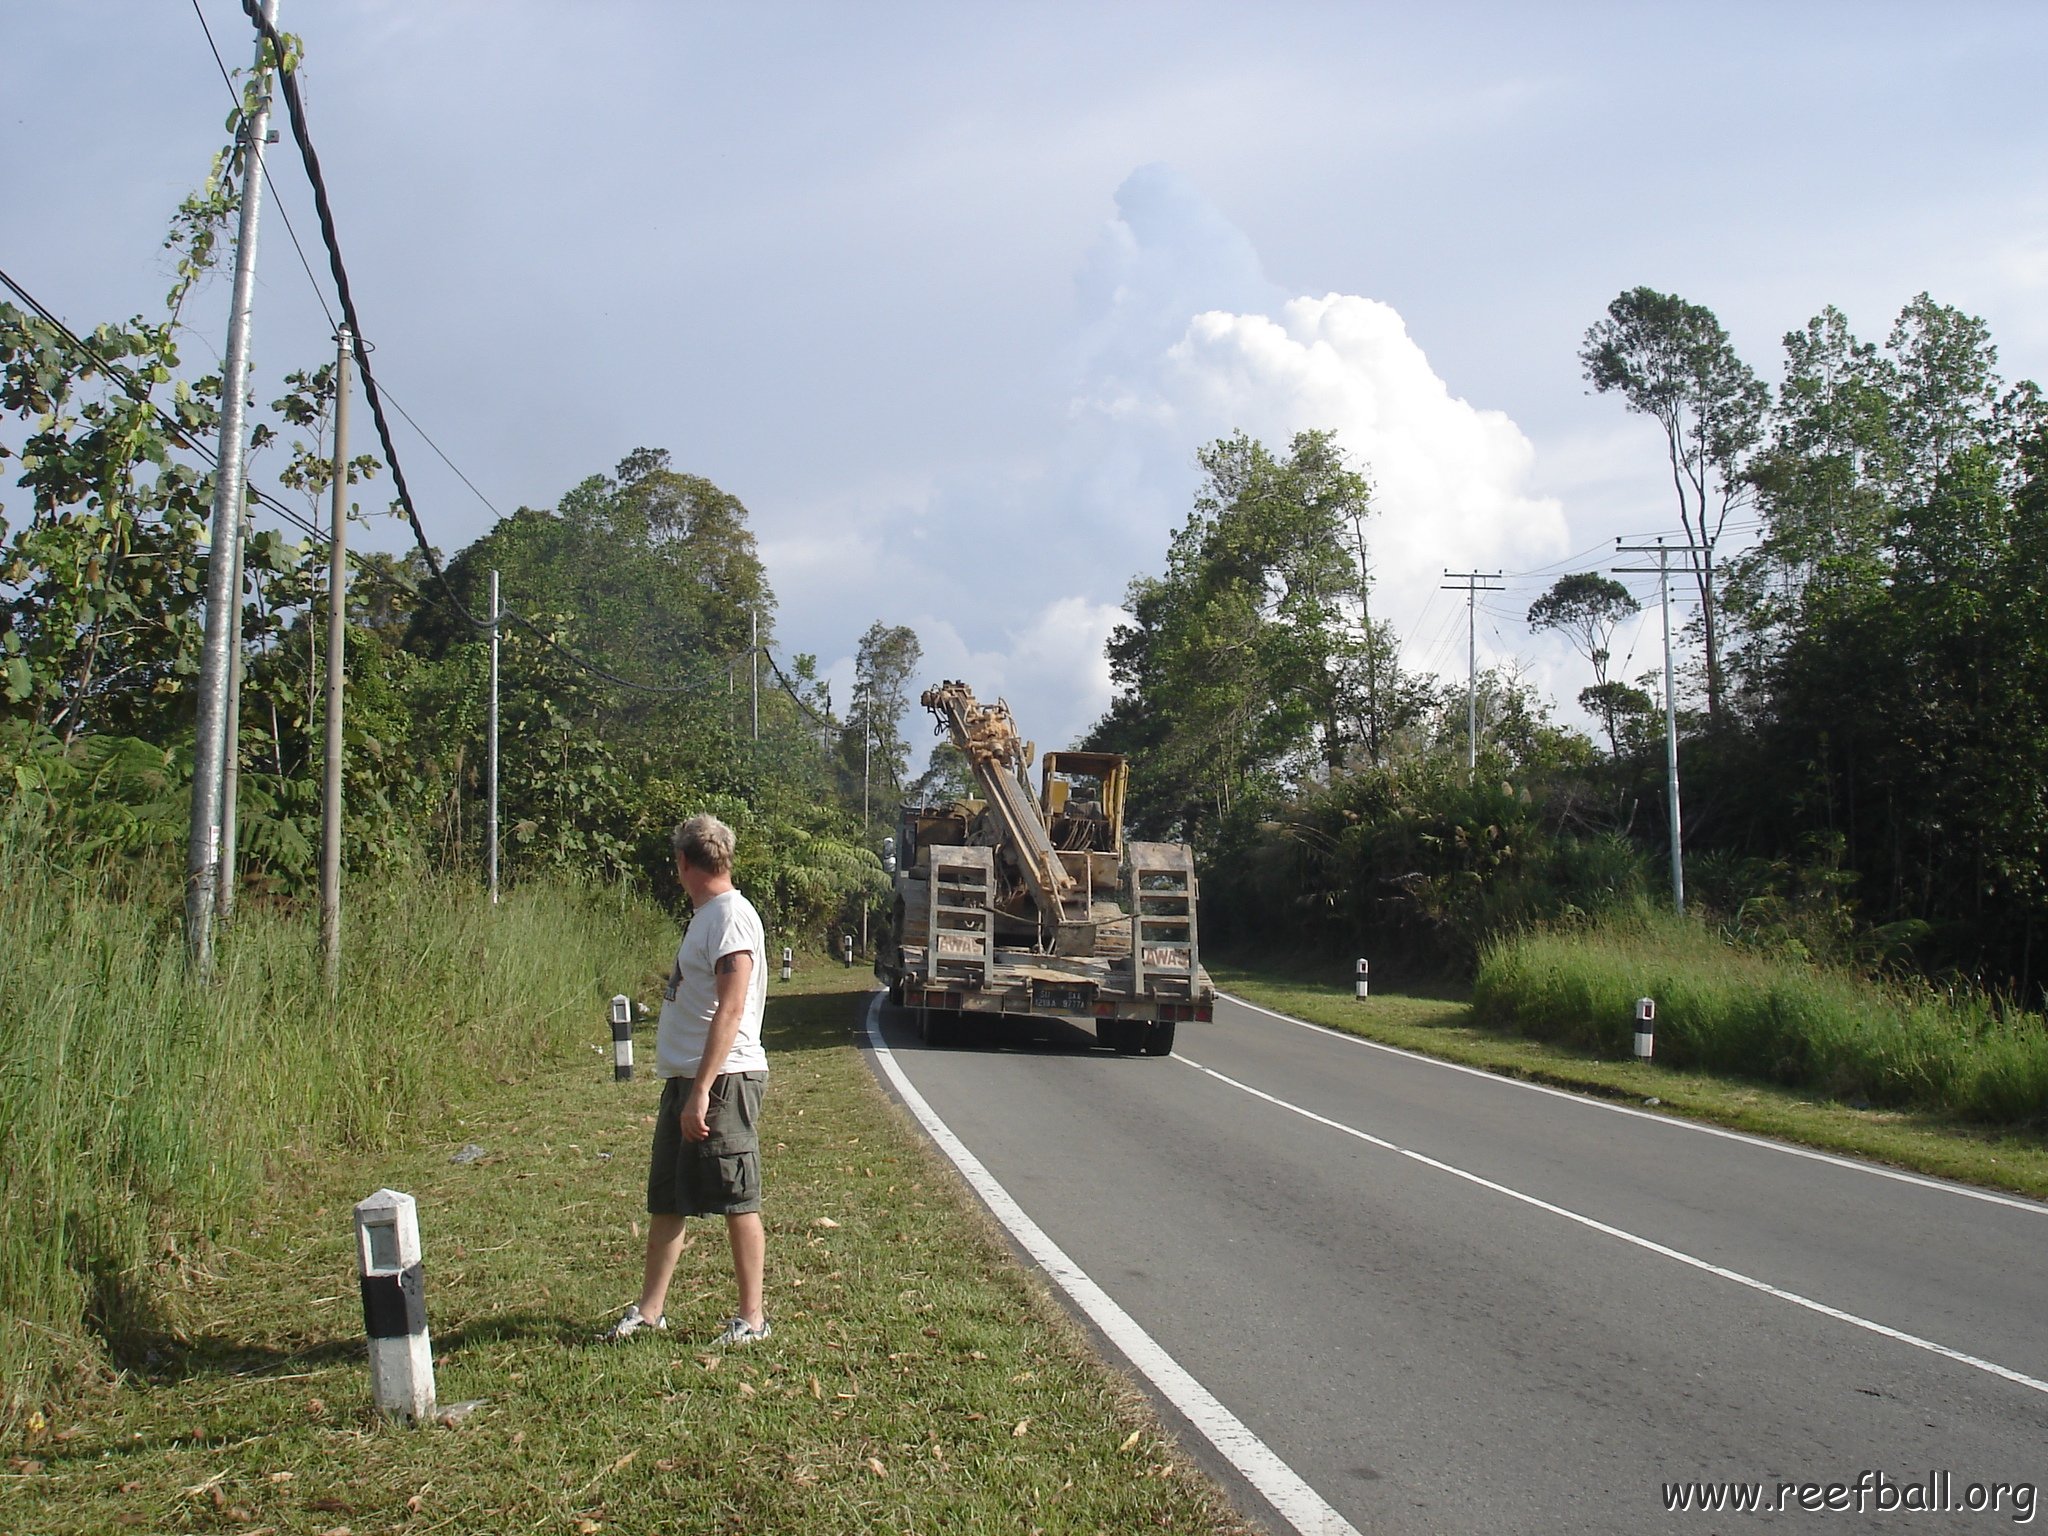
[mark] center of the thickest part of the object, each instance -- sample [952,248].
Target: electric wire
[295,110]
[228,80]
[182,435]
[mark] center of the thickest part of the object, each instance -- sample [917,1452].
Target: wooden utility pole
[337,638]
[202,846]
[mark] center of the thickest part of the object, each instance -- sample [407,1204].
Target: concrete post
[1646,1028]
[395,1306]
[1359,987]
[622,1039]
[788,960]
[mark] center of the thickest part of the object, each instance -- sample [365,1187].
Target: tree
[1585,607]
[1672,361]
[884,669]
[1245,664]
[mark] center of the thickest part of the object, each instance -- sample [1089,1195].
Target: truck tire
[1126,1036]
[896,990]
[1159,1039]
[935,1027]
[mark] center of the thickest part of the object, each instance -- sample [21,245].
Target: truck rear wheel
[935,1026]
[1159,1039]
[1125,1036]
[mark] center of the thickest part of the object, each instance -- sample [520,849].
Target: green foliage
[1416,865]
[113,1179]
[1893,655]
[872,742]
[1243,666]
[1732,1009]
[1671,360]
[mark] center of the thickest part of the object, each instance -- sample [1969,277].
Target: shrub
[1729,1009]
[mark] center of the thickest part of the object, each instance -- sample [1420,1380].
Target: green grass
[1442,1023]
[141,1111]
[918,1379]
[1735,1010]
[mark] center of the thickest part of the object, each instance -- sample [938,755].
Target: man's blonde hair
[704,842]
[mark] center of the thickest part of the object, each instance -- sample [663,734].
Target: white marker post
[788,960]
[1358,988]
[1646,1028]
[847,944]
[622,1039]
[395,1306]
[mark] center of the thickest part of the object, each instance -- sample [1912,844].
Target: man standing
[707,1148]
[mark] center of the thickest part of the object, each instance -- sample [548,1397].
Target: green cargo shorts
[720,1175]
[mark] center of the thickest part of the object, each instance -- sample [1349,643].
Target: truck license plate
[1057,999]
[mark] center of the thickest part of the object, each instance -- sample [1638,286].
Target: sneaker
[739,1331]
[631,1324]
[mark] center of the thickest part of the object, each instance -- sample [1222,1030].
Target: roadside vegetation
[1442,1020]
[1862,726]
[918,1378]
[1727,1009]
[143,1112]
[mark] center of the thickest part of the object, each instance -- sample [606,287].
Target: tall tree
[1585,607]
[1242,663]
[1671,361]
[885,670]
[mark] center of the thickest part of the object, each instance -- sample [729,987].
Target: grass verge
[1442,1024]
[918,1379]
[142,1110]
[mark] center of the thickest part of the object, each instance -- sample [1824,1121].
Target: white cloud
[1012,574]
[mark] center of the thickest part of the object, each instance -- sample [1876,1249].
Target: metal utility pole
[337,639]
[202,847]
[754,669]
[867,737]
[1470,581]
[231,754]
[491,753]
[1662,570]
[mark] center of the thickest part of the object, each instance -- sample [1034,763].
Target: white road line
[2033,1207]
[1281,1486]
[1646,1244]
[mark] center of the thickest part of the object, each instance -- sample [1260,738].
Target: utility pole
[202,847]
[231,753]
[1662,570]
[867,736]
[337,639]
[491,753]
[1372,657]
[754,670]
[1470,581]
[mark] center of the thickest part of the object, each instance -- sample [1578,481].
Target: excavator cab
[1083,795]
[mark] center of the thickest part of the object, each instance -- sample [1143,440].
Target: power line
[295,108]
[182,434]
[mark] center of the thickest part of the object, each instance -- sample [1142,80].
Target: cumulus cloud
[1012,578]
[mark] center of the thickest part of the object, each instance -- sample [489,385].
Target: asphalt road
[1517,1310]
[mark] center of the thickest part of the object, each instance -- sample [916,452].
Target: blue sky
[949,295]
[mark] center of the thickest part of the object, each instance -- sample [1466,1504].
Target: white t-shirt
[724,925]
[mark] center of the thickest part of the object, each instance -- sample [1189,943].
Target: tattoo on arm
[727,964]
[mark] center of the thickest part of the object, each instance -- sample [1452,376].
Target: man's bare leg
[664,1247]
[749,1257]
